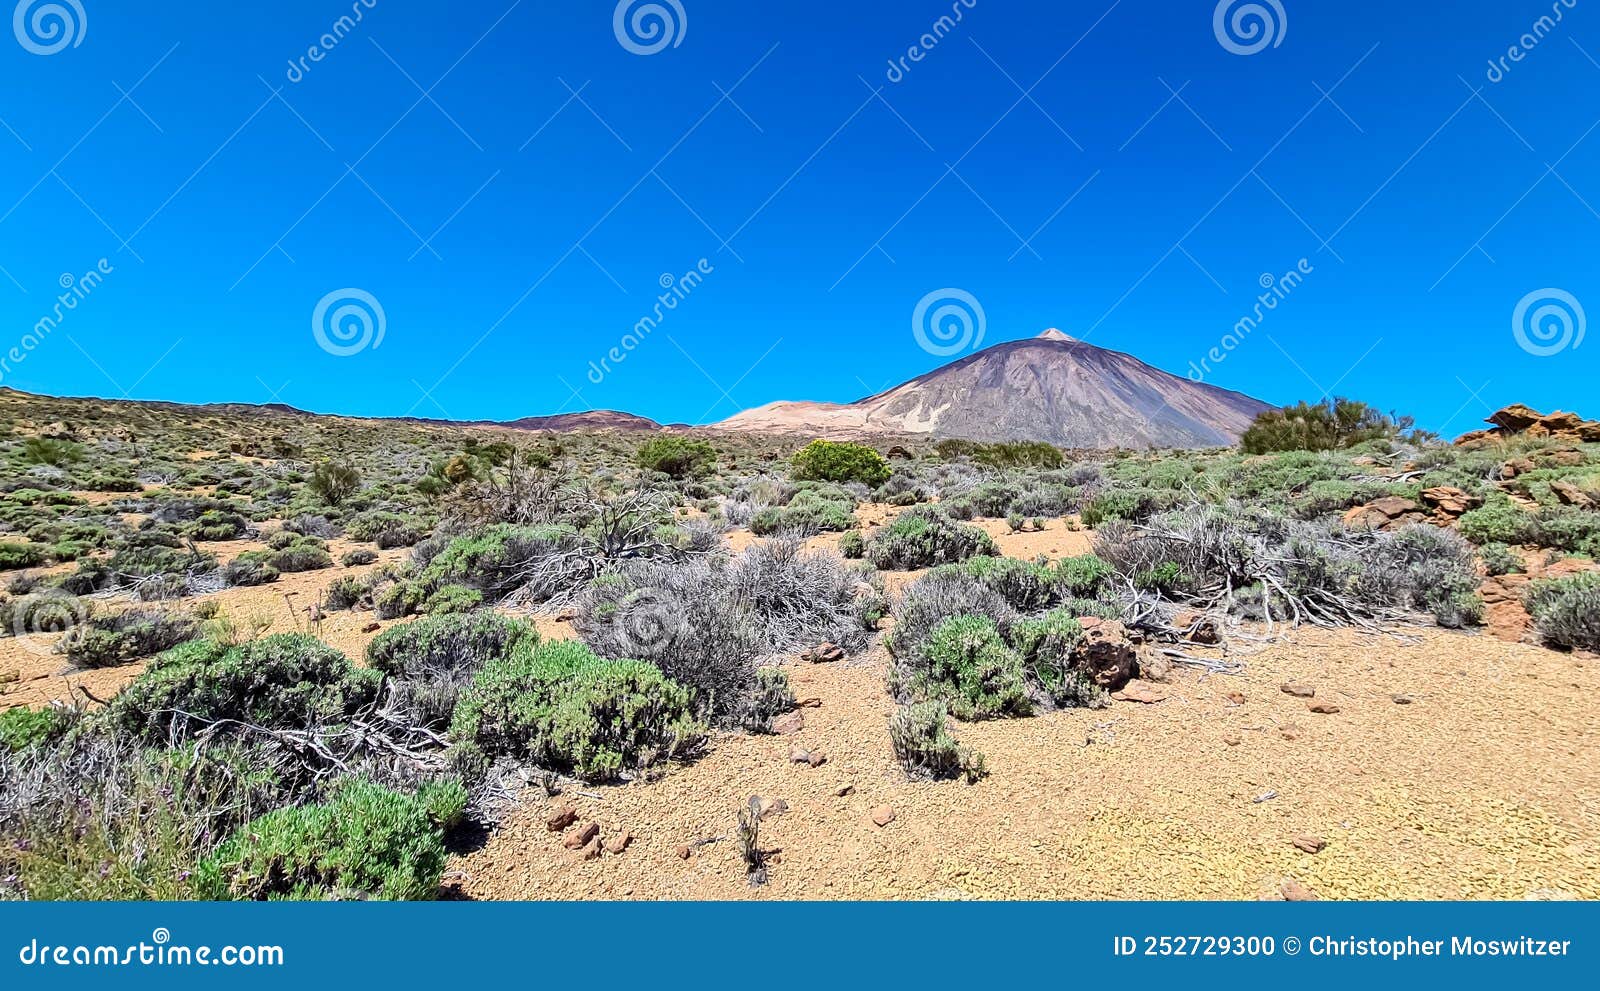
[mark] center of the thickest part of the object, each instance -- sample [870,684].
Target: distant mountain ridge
[1051,388]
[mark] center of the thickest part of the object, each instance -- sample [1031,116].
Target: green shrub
[15,555]
[365,842]
[1026,586]
[217,524]
[497,559]
[1566,611]
[1574,530]
[852,546]
[432,660]
[452,599]
[1326,426]
[1045,645]
[1163,578]
[106,641]
[835,461]
[357,557]
[346,592]
[300,554]
[250,569]
[809,512]
[771,698]
[1326,496]
[922,537]
[145,556]
[1083,576]
[402,598]
[967,665]
[925,747]
[1499,522]
[679,457]
[111,483]
[287,681]
[334,482]
[436,643]
[21,728]
[385,529]
[1498,559]
[559,705]
[51,451]
[1134,505]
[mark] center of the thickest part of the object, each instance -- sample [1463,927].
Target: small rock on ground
[1141,691]
[619,842]
[1294,891]
[578,838]
[1309,843]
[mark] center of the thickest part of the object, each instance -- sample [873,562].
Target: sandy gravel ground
[43,676]
[1483,786]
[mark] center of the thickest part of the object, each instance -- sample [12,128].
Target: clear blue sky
[1098,203]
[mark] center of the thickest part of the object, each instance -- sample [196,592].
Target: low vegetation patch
[922,537]
[364,842]
[559,705]
[925,747]
[1566,611]
[285,682]
[836,461]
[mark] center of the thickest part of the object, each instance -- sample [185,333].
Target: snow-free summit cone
[1053,388]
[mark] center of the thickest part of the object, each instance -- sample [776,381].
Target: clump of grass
[925,747]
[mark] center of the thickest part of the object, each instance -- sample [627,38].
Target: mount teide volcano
[1053,388]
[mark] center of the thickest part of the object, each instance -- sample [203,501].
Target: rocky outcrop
[1105,654]
[1518,420]
[1570,495]
[1384,514]
[1449,503]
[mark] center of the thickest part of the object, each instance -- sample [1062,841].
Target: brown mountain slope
[1052,388]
